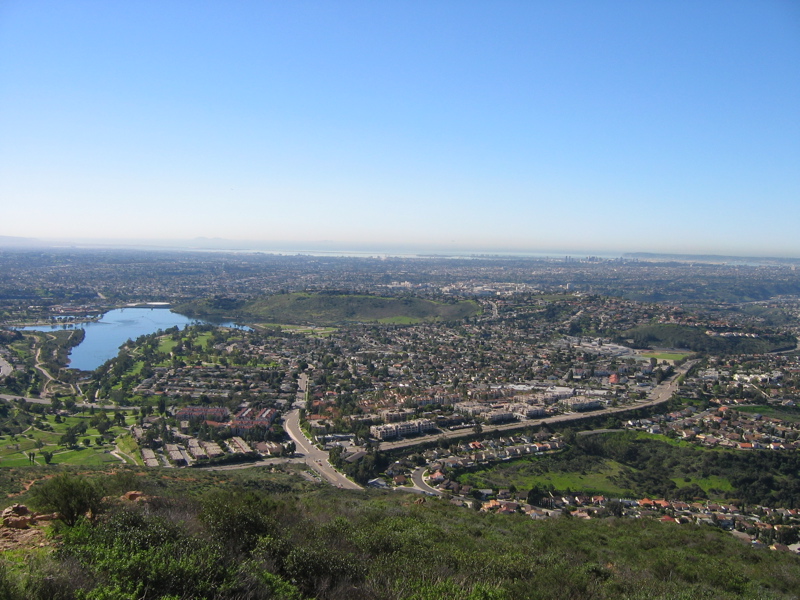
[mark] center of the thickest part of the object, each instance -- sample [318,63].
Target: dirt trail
[48,378]
[15,539]
[28,486]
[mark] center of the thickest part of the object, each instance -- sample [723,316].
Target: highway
[314,457]
[658,395]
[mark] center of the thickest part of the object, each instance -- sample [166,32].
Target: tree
[71,496]
[289,449]
[69,438]
[47,456]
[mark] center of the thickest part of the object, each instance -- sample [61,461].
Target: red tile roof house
[437,477]
[667,519]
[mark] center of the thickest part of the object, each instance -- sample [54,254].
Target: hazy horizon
[505,127]
[322,248]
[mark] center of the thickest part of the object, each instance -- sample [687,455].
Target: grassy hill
[330,308]
[697,340]
[636,464]
[259,534]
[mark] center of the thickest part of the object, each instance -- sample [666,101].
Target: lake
[104,337]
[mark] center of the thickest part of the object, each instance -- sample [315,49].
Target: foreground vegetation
[262,534]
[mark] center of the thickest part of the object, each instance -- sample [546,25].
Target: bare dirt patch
[17,539]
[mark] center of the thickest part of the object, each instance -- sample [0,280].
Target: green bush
[71,496]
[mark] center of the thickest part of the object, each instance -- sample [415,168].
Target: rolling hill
[330,308]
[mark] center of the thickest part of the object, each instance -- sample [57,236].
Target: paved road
[11,398]
[314,457]
[658,395]
[302,386]
[5,367]
[599,431]
[419,482]
[249,465]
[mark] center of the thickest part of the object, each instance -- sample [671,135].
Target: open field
[401,320]
[643,435]
[635,464]
[785,413]
[129,448]
[308,330]
[666,355]
[713,482]
[529,473]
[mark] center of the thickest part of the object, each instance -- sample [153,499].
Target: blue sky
[518,126]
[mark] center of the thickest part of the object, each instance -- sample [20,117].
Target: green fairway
[85,457]
[166,344]
[15,450]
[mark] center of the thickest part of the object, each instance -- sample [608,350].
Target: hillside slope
[330,308]
[271,535]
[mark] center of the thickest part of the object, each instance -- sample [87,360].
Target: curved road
[419,482]
[314,457]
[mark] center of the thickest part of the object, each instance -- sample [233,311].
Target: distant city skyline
[328,248]
[508,126]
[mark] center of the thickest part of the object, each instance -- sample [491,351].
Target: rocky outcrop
[15,510]
[17,522]
[18,516]
[132,496]
[136,497]
[39,517]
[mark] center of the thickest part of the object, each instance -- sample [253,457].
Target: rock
[132,496]
[45,517]
[15,510]
[17,522]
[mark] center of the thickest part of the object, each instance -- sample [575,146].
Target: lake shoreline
[111,330]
